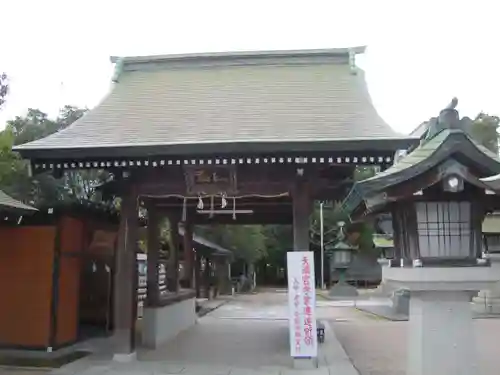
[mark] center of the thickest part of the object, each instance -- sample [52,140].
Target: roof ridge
[240,54]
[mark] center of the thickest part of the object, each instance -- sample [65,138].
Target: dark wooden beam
[173,261]
[206,278]
[125,276]
[188,251]
[197,274]
[284,219]
[302,207]
[153,238]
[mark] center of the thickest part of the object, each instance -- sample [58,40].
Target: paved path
[248,335]
[378,347]
[16,371]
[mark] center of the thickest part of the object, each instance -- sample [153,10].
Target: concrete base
[125,358]
[401,302]
[383,288]
[441,336]
[342,290]
[161,324]
[470,279]
[487,302]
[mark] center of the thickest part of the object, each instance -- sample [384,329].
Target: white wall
[161,324]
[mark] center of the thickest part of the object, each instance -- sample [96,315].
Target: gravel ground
[378,347]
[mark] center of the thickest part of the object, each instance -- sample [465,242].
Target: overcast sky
[420,53]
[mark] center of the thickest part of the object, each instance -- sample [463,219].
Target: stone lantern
[437,197]
[340,257]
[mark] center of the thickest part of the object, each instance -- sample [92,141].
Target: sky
[420,53]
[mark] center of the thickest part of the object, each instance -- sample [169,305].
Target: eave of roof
[252,102]
[216,249]
[431,153]
[383,241]
[11,205]
[491,224]
[448,143]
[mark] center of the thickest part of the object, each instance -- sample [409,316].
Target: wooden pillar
[301,213]
[224,282]
[188,252]
[125,278]
[197,274]
[207,278]
[153,233]
[173,261]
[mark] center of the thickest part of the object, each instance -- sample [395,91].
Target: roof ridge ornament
[448,119]
[352,61]
[118,69]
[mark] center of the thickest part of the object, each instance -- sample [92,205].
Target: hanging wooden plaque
[211,180]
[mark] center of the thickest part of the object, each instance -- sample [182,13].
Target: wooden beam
[302,205]
[153,240]
[125,276]
[173,261]
[247,219]
[207,278]
[197,274]
[188,251]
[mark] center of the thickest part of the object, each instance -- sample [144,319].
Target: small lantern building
[438,199]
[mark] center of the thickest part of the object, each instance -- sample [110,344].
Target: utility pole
[321,231]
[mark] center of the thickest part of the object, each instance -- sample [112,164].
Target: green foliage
[359,235]
[43,189]
[484,130]
[362,173]
[247,242]
[4,88]
[278,240]
[13,171]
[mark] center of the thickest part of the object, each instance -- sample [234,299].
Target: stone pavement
[248,335]
[17,371]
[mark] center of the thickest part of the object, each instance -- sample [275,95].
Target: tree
[43,189]
[278,240]
[247,242]
[4,88]
[14,179]
[484,130]
[359,234]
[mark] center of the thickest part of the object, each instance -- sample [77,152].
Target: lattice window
[445,229]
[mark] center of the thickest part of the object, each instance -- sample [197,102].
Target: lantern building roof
[208,247]
[227,103]
[445,149]
[11,205]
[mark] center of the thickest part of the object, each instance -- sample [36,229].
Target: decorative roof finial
[448,119]
[341,236]
[118,70]
[453,104]
[352,61]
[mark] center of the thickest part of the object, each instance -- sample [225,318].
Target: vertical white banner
[302,304]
